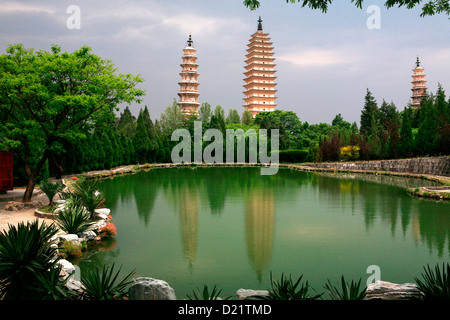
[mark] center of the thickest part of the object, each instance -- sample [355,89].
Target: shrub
[206,295]
[350,153]
[51,189]
[69,249]
[109,230]
[435,284]
[345,291]
[101,284]
[292,156]
[74,219]
[286,289]
[26,256]
[86,193]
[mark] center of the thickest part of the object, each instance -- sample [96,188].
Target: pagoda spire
[189,84]
[260,27]
[419,89]
[260,74]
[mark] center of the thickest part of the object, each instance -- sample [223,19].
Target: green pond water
[232,227]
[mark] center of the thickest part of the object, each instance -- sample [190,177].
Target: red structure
[6,170]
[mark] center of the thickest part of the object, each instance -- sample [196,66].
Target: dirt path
[24,215]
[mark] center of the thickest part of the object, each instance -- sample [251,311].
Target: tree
[233,117]
[171,119]
[406,143]
[205,112]
[247,118]
[153,141]
[127,123]
[141,141]
[427,137]
[48,98]
[369,115]
[430,8]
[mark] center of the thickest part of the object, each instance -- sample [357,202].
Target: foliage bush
[85,192]
[286,289]
[292,156]
[102,284]
[435,284]
[51,190]
[109,230]
[346,291]
[350,153]
[69,249]
[206,295]
[74,219]
[26,256]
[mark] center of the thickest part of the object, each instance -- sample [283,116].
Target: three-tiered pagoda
[189,84]
[260,74]
[419,89]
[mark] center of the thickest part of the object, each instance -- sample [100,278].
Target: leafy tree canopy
[429,8]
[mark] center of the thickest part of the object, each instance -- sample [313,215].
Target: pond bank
[442,193]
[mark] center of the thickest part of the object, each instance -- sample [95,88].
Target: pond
[232,227]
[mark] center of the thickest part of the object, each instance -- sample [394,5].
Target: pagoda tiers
[260,74]
[419,89]
[188,85]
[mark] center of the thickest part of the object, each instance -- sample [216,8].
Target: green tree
[171,119]
[127,123]
[233,117]
[247,118]
[427,137]
[369,115]
[50,97]
[430,8]
[205,112]
[406,143]
[141,140]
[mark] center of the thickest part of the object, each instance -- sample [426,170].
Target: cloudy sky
[325,62]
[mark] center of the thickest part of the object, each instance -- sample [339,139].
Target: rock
[60,202]
[247,294]
[69,237]
[89,235]
[101,216]
[67,267]
[382,290]
[98,225]
[104,211]
[145,288]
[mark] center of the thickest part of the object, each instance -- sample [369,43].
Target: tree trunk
[29,190]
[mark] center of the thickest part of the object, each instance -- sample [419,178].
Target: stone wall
[438,166]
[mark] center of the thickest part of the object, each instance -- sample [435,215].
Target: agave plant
[26,256]
[52,286]
[206,295]
[286,289]
[101,284]
[435,284]
[86,192]
[51,190]
[346,291]
[74,219]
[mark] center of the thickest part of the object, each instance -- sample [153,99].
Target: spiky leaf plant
[26,255]
[86,192]
[286,289]
[103,284]
[51,190]
[206,295]
[435,284]
[74,219]
[346,291]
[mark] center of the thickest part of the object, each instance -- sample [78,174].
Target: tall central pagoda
[419,90]
[189,84]
[260,74]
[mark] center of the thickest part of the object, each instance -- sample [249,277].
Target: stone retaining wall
[439,166]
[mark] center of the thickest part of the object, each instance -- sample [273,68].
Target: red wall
[6,170]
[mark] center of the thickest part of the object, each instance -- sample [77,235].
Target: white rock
[382,290]
[69,237]
[88,235]
[150,289]
[101,216]
[247,294]
[104,211]
[66,266]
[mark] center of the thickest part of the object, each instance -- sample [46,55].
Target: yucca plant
[86,192]
[26,256]
[346,291]
[206,295]
[51,190]
[102,284]
[435,284]
[74,219]
[286,289]
[52,286]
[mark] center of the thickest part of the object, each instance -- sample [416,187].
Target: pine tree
[127,123]
[406,143]
[369,114]
[247,118]
[427,137]
[141,140]
[233,117]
